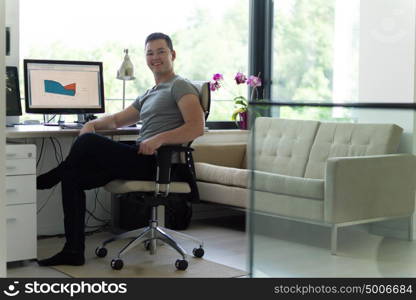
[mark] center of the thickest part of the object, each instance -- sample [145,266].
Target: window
[315,52]
[209,37]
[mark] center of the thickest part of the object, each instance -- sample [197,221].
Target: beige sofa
[332,174]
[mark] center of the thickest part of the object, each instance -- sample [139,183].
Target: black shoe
[63,258]
[49,179]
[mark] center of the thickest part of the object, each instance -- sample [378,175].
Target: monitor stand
[84,118]
[81,120]
[51,120]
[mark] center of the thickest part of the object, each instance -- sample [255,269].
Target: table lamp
[126,72]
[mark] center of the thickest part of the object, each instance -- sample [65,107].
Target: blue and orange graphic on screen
[55,87]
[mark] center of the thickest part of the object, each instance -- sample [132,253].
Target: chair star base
[149,235]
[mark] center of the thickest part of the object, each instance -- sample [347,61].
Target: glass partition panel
[332,190]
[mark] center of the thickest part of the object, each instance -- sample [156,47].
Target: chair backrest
[186,157]
[204,95]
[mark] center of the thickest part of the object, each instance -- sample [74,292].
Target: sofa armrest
[367,187]
[226,155]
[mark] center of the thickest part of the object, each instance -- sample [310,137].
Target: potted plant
[240,102]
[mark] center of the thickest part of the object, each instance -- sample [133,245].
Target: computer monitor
[63,87]
[13,104]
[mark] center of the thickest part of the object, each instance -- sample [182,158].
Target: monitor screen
[63,87]
[13,104]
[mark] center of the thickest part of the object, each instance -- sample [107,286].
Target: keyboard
[71,126]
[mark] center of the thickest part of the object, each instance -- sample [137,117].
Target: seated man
[171,114]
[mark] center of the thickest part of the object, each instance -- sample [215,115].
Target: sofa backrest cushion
[282,146]
[348,139]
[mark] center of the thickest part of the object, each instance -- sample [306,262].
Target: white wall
[2,145]
[387,62]
[387,73]
[387,50]
[12,21]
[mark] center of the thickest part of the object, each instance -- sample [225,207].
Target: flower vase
[243,123]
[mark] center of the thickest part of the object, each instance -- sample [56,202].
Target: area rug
[138,263]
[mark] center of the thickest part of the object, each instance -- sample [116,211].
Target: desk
[48,202]
[40,131]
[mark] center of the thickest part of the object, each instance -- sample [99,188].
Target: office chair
[160,192]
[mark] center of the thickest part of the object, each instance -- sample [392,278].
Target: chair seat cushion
[223,175]
[127,186]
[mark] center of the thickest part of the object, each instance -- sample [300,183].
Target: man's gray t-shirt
[158,107]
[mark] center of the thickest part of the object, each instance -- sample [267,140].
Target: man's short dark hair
[160,36]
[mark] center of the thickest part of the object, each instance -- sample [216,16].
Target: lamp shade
[126,71]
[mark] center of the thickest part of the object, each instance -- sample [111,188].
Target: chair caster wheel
[146,245]
[117,264]
[181,264]
[198,252]
[101,252]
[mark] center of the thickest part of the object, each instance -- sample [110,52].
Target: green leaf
[239,102]
[236,112]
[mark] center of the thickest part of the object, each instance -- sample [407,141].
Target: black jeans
[94,161]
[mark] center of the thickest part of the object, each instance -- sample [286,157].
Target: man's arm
[193,116]
[128,116]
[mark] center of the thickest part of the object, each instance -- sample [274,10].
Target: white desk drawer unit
[20,166]
[21,202]
[19,189]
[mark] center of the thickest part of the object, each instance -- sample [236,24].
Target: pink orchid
[254,81]
[214,85]
[240,78]
[217,77]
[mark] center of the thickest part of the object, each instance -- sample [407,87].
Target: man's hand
[87,128]
[150,145]
[128,116]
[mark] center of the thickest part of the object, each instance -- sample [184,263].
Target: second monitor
[13,106]
[63,87]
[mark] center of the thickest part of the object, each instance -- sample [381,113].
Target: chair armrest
[164,161]
[366,187]
[174,148]
[226,155]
